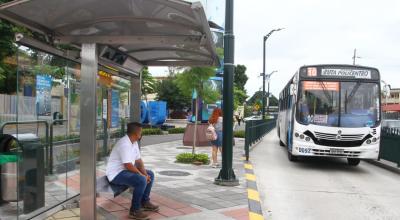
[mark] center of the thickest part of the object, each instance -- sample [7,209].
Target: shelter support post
[135,99]
[88,130]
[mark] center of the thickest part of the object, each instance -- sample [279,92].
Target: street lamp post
[263,94]
[269,79]
[226,176]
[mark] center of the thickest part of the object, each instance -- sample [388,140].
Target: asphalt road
[322,188]
[157,139]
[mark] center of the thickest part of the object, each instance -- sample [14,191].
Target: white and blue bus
[331,111]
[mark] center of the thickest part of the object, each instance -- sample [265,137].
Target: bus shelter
[124,35]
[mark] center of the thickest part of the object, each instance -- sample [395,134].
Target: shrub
[239,134]
[176,130]
[184,158]
[151,131]
[202,158]
[190,158]
[70,154]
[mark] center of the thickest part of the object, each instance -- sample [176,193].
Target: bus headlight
[302,136]
[369,141]
[296,134]
[374,140]
[308,138]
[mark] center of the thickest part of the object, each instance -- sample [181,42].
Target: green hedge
[176,130]
[190,158]
[116,134]
[151,131]
[239,134]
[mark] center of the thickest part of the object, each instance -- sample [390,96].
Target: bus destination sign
[347,73]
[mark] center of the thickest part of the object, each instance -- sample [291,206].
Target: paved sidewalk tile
[110,206]
[64,214]
[192,195]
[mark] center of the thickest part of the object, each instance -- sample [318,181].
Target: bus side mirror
[292,89]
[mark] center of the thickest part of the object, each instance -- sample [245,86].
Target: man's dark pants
[142,189]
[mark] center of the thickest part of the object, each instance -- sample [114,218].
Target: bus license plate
[336,151]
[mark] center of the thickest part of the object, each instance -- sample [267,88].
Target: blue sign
[43,95]
[114,108]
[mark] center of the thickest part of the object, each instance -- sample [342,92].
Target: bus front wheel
[291,157]
[353,161]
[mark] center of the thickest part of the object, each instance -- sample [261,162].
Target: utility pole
[355,56]
[226,176]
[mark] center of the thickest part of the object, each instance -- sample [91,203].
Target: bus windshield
[338,104]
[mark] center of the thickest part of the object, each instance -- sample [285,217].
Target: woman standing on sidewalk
[216,121]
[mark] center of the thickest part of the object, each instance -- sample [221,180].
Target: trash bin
[9,180]
[31,171]
[8,169]
[22,170]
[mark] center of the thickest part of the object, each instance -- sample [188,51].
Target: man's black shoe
[138,215]
[148,206]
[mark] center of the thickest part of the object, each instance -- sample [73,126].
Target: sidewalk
[183,191]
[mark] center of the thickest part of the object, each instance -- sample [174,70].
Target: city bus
[331,111]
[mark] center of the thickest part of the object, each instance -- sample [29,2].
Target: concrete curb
[253,196]
[385,165]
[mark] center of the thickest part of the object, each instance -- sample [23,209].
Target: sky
[316,32]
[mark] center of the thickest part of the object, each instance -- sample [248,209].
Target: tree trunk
[195,126]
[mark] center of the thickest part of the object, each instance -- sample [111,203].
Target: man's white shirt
[123,152]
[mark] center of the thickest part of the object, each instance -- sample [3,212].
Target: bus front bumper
[301,148]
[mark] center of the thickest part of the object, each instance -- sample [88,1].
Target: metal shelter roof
[145,32]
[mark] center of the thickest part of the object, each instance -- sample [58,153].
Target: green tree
[148,83]
[169,91]
[240,77]
[194,79]
[239,97]
[7,49]
[257,97]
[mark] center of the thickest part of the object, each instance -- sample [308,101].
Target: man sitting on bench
[125,167]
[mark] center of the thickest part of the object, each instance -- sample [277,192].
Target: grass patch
[176,130]
[239,134]
[190,158]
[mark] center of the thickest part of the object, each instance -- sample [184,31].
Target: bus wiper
[330,99]
[353,91]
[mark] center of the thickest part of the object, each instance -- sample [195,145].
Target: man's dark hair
[133,127]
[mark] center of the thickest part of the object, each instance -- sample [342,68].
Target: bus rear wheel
[353,161]
[291,157]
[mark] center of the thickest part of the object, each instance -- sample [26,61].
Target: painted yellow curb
[248,166]
[253,195]
[255,216]
[251,177]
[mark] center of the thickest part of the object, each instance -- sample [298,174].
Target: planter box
[201,140]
